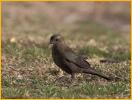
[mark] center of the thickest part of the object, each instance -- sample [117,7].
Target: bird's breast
[57,57]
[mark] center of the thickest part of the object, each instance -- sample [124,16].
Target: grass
[117,55]
[32,72]
[28,70]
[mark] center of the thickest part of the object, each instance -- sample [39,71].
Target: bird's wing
[78,60]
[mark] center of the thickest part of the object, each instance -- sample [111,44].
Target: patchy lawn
[28,70]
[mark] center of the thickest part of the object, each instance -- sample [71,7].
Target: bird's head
[55,39]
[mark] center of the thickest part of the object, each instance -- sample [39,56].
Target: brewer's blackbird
[70,62]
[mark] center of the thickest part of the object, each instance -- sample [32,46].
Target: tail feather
[93,72]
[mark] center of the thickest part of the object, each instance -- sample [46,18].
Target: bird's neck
[60,47]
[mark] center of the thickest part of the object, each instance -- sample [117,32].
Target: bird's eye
[56,39]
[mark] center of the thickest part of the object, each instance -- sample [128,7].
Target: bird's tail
[93,72]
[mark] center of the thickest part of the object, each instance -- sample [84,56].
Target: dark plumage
[68,60]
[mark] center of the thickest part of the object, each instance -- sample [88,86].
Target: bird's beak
[50,43]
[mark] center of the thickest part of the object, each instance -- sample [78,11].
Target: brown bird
[70,62]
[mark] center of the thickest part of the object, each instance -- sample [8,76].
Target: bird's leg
[72,76]
[73,81]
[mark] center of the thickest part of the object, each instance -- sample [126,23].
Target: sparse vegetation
[27,67]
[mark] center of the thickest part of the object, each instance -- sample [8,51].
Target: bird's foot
[59,79]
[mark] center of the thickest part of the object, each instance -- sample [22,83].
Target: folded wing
[78,60]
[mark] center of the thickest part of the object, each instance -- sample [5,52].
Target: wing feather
[78,60]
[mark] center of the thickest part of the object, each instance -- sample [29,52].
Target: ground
[28,70]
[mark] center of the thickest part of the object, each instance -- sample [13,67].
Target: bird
[69,61]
